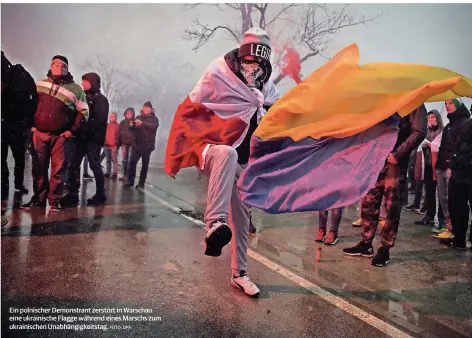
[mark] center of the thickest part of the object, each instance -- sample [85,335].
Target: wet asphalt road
[136,253]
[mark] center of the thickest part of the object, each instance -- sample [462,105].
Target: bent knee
[226,151]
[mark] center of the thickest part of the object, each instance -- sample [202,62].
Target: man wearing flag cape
[343,133]
[212,129]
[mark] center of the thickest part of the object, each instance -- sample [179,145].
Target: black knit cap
[255,43]
[62,58]
[148,104]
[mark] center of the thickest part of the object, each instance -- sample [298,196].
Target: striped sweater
[61,107]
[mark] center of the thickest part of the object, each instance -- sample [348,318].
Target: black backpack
[19,94]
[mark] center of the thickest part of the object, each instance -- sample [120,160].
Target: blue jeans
[86,165]
[126,152]
[111,153]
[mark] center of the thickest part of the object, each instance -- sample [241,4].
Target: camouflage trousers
[390,186]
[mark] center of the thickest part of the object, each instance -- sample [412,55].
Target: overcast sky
[432,34]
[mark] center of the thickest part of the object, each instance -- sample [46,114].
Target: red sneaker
[320,237]
[331,239]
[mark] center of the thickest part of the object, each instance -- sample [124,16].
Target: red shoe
[320,237]
[332,238]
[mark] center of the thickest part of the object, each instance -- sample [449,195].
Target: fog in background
[142,46]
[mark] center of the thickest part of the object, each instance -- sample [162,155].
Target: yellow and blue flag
[323,144]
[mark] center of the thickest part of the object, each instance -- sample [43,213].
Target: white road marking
[311,287]
[160,200]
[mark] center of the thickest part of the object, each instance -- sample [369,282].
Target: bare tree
[112,77]
[165,79]
[310,27]
[164,75]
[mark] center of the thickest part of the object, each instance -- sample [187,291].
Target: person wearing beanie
[126,139]
[253,58]
[460,186]
[212,129]
[88,143]
[457,114]
[145,127]
[61,113]
[425,169]
[255,68]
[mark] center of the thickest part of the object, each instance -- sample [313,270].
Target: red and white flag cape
[217,111]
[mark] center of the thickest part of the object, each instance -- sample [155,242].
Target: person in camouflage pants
[391,185]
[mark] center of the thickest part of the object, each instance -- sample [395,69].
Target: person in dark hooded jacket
[19,102]
[90,142]
[457,114]
[62,111]
[460,186]
[126,138]
[144,143]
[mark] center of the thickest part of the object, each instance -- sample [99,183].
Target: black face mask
[252,72]
[255,73]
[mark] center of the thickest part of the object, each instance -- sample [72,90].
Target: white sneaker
[244,283]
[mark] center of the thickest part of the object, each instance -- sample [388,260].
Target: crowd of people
[69,126]
[68,123]
[442,162]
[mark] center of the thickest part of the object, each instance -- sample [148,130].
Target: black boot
[363,249]
[33,205]
[22,189]
[383,257]
[70,201]
[252,228]
[425,221]
[97,200]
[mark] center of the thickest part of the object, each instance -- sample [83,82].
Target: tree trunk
[246,17]
[279,78]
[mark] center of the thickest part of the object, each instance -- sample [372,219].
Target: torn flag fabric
[324,143]
[217,111]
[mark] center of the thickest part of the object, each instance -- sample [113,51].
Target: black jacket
[19,98]
[96,127]
[450,134]
[244,148]
[126,135]
[412,132]
[145,135]
[462,152]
